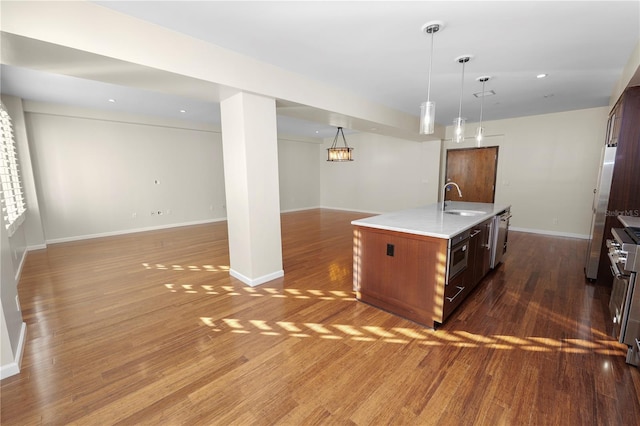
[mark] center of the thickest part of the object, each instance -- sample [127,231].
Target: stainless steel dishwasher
[500,234]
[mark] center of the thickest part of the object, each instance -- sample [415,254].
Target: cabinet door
[454,293]
[474,266]
[401,273]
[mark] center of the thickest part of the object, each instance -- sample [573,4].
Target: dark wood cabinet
[454,293]
[405,273]
[400,272]
[479,263]
[624,196]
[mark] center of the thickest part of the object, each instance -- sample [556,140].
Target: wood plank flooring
[149,328]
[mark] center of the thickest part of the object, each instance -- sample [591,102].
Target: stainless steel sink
[465,212]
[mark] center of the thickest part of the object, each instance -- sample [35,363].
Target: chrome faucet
[445,187]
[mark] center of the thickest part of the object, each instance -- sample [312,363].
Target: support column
[250,152]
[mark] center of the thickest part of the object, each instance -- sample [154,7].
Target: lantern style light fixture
[458,123]
[480,130]
[339,153]
[428,108]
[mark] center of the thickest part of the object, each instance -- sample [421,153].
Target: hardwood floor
[149,328]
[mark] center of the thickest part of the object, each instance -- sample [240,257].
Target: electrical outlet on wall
[555,220]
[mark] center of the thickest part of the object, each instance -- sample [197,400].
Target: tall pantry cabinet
[624,196]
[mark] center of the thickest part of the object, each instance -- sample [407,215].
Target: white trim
[13,368]
[552,233]
[9,370]
[351,210]
[131,231]
[36,247]
[301,209]
[256,281]
[19,270]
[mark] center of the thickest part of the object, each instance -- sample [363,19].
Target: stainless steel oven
[458,255]
[624,304]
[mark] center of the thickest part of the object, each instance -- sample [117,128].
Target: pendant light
[458,123]
[336,153]
[480,130]
[428,108]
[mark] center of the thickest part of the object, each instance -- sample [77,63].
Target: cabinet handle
[460,290]
[476,232]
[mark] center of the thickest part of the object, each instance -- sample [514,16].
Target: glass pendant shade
[480,129]
[479,134]
[427,118]
[458,123]
[458,129]
[428,108]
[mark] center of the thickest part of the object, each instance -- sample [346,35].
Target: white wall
[547,168]
[299,174]
[387,174]
[96,174]
[95,169]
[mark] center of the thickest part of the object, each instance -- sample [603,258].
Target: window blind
[11,193]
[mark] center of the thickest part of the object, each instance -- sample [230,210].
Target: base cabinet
[454,293]
[401,273]
[405,273]
[479,262]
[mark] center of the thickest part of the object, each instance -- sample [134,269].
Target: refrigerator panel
[600,204]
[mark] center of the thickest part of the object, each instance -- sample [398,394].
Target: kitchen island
[421,263]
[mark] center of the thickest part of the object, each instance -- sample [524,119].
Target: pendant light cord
[461,88]
[482,101]
[430,68]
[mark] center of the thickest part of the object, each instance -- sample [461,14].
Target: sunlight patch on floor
[290,293]
[423,337]
[193,268]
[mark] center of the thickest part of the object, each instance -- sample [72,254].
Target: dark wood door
[474,170]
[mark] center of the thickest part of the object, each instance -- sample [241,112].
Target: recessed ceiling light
[183,111]
[112,100]
[541,75]
[317,131]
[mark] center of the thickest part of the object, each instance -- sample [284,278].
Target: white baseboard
[551,233]
[132,231]
[351,210]
[13,368]
[9,370]
[301,209]
[19,270]
[253,282]
[36,247]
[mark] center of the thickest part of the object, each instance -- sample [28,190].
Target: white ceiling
[376,49]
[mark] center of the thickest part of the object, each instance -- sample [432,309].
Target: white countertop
[631,221]
[431,221]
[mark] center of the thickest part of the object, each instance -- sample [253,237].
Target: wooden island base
[401,273]
[405,273]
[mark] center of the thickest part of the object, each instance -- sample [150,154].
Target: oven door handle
[614,267]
